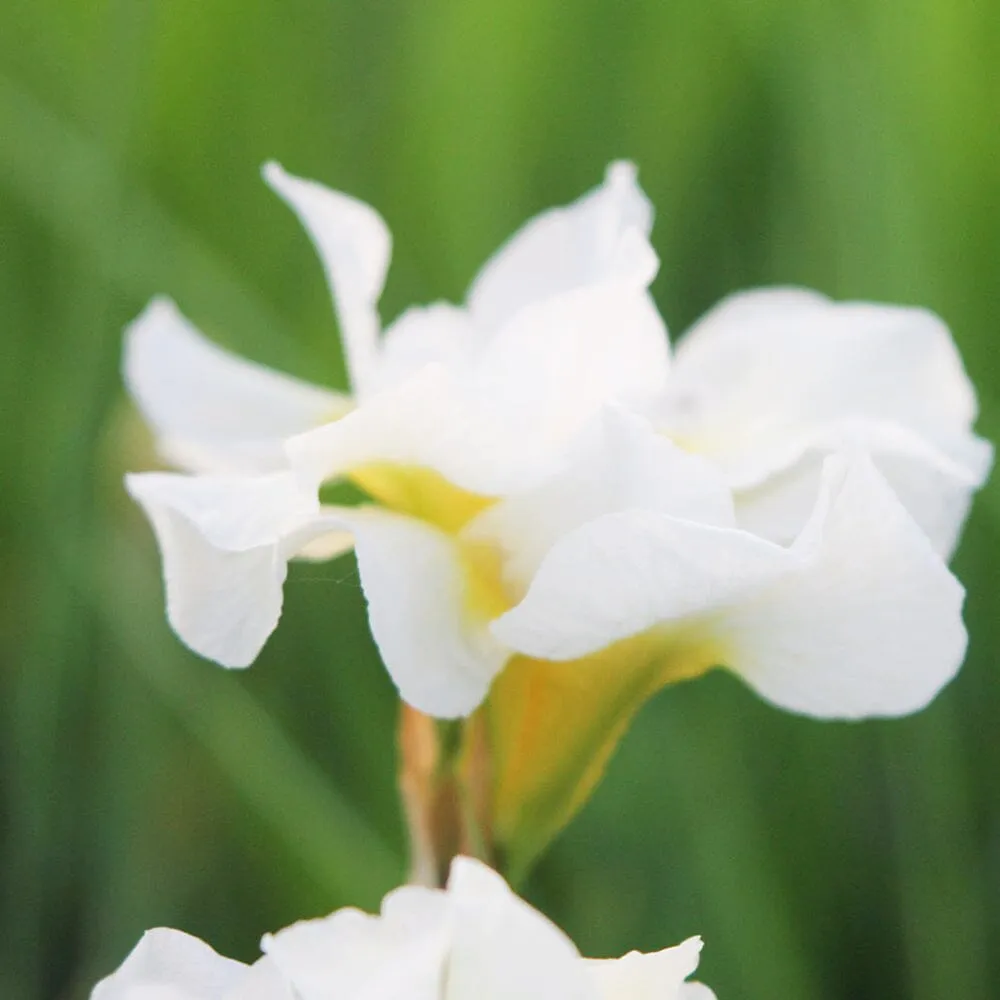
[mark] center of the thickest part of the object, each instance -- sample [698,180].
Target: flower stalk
[444,783]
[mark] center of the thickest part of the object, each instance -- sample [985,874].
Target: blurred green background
[851,146]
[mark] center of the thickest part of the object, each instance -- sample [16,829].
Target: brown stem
[444,782]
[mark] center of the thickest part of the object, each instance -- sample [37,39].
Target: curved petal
[601,236]
[767,362]
[211,410]
[505,948]
[625,573]
[176,966]
[354,245]
[428,611]
[870,621]
[861,617]
[350,955]
[225,543]
[659,975]
[623,463]
[770,375]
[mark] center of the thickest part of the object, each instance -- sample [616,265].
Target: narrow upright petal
[601,236]
[211,410]
[354,245]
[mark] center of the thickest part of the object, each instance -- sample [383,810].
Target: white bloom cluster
[474,940]
[781,494]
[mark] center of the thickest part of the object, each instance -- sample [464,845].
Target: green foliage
[850,146]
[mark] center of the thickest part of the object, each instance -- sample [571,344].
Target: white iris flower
[549,487]
[474,940]
[453,407]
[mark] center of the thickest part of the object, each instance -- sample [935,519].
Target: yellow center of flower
[426,495]
[420,493]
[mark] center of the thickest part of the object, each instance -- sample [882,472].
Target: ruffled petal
[601,236]
[211,410]
[504,948]
[860,617]
[658,975]
[354,245]
[621,464]
[225,543]
[767,362]
[869,622]
[934,487]
[773,378]
[350,955]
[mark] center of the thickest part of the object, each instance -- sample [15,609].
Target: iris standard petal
[211,410]
[354,245]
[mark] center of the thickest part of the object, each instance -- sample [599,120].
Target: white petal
[225,543]
[861,617]
[504,948]
[935,488]
[170,965]
[560,361]
[869,623]
[354,245]
[601,236]
[623,463]
[656,976]
[350,955]
[624,573]
[695,991]
[771,374]
[263,981]
[500,422]
[437,649]
[439,333]
[211,410]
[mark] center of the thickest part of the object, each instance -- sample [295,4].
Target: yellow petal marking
[420,493]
